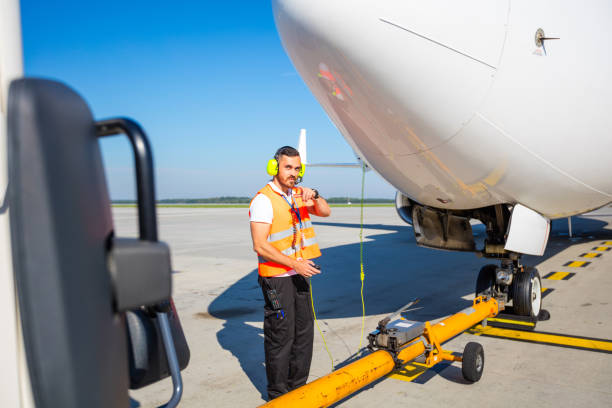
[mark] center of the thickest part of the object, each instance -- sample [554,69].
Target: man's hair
[286,151]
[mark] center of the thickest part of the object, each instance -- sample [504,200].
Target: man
[284,240]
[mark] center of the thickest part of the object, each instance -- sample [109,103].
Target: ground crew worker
[284,240]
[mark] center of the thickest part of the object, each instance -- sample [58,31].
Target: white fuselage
[453,102]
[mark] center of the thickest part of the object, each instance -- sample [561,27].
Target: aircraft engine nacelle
[403,206]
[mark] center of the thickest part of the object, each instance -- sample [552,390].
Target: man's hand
[305,267]
[307,194]
[317,207]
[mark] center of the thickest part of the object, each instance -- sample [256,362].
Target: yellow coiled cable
[362,274]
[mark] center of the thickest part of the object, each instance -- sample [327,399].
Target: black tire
[473,361]
[485,284]
[527,292]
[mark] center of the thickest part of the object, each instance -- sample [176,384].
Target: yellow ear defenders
[272,167]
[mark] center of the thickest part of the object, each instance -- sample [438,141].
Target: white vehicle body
[455,104]
[14,377]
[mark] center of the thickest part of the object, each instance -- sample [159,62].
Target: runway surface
[220,306]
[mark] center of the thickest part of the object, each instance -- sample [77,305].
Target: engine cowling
[436,228]
[403,206]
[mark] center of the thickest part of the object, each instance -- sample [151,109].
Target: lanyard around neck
[295,211]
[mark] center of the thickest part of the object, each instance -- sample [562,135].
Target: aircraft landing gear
[511,282]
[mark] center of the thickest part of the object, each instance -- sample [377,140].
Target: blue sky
[208,80]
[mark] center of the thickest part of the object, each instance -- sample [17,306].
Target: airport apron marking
[601,248]
[551,339]
[606,243]
[590,255]
[511,321]
[546,292]
[577,264]
[413,370]
[559,275]
[408,372]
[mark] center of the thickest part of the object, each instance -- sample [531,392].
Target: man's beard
[289,182]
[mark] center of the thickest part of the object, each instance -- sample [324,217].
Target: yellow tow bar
[343,382]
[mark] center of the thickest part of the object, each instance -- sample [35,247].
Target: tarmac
[221,309]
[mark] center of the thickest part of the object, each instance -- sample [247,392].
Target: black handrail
[145,177]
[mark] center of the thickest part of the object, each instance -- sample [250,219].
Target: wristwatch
[316,194]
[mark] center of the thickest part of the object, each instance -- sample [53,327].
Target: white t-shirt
[261,211]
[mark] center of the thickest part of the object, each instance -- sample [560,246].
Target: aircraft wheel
[472,364]
[485,284]
[527,292]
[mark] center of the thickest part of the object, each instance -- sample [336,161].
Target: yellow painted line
[559,275]
[601,248]
[606,243]
[409,372]
[553,339]
[496,319]
[546,292]
[591,255]
[577,264]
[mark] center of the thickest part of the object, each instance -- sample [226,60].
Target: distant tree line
[246,200]
[214,200]
[355,200]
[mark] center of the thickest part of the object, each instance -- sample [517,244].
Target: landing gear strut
[509,282]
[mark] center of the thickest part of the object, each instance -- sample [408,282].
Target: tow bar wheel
[473,361]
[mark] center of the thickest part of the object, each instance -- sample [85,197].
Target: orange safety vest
[285,234]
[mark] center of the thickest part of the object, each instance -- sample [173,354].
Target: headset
[272,167]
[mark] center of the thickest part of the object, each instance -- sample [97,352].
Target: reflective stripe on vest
[288,232]
[285,234]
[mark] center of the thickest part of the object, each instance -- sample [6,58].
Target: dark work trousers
[287,340]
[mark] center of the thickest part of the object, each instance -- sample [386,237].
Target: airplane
[496,111]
